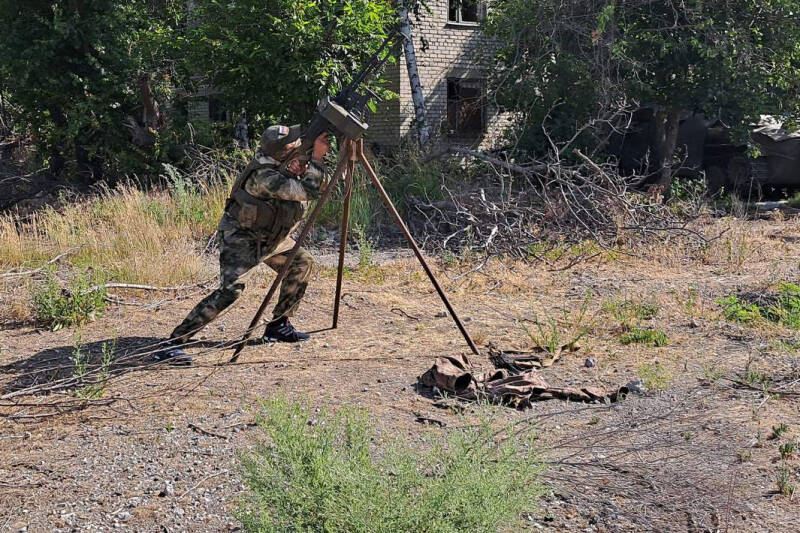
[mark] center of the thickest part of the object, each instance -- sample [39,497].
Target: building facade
[451,51]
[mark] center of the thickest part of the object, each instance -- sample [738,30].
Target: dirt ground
[158,451]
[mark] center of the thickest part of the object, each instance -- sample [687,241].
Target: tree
[276,58]
[417,94]
[86,77]
[564,63]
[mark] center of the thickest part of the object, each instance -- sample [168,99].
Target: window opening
[463,11]
[465,107]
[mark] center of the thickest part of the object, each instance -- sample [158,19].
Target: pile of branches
[522,206]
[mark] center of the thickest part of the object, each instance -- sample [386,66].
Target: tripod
[352,151]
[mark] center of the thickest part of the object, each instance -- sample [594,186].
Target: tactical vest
[271,219]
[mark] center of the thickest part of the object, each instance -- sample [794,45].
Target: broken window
[217,111]
[464,11]
[465,107]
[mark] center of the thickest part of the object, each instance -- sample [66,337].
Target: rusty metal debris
[509,385]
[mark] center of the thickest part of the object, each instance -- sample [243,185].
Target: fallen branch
[195,427]
[190,489]
[56,259]
[136,286]
[499,162]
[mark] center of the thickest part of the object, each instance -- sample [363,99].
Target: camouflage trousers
[240,251]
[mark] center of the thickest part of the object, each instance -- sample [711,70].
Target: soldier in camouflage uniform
[266,204]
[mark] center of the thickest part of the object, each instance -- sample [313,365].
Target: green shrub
[655,376]
[783,307]
[787,311]
[319,473]
[55,307]
[735,310]
[651,337]
[630,313]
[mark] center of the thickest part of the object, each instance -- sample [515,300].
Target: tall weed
[56,307]
[125,234]
[320,473]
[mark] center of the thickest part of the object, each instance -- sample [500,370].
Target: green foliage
[560,64]
[365,248]
[317,472]
[557,333]
[735,310]
[655,376]
[757,379]
[650,337]
[277,58]
[73,70]
[785,310]
[55,307]
[92,381]
[787,449]
[779,430]
[630,313]
[784,482]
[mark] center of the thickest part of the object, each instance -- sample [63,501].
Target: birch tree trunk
[417,96]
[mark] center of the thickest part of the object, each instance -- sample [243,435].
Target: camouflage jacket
[266,182]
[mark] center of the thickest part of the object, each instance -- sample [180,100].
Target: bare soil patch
[158,451]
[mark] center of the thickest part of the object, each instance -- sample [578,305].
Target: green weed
[735,310]
[56,308]
[783,307]
[630,313]
[787,449]
[649,337]
[692,302]
[655,376]
[366,248]
[787,312]
[779,430]
[784,482]
[784,345]
[319,472]
[744,456]
[711,372]
[554,334]
[92,381]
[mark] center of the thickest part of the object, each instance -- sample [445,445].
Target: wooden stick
[343,237]
[412,243]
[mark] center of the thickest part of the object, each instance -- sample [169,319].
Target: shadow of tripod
[352,152]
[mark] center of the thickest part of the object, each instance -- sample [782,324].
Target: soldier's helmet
[276,137]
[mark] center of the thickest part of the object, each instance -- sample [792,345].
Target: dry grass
[125,234]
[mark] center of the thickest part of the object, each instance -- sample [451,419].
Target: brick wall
[453,51]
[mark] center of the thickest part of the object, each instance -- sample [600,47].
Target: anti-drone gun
[343,114]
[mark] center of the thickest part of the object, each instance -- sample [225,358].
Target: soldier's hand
[321,146]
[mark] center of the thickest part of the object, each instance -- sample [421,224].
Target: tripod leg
[340,169]
[412,243]
[343,243]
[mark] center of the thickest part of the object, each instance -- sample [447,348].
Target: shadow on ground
[71,366]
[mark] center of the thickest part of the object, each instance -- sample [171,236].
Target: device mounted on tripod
[344,113]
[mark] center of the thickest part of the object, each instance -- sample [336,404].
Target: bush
[55,307]
[782,307]
[735,310]
[655,376]
[650,337]
[630,313]
[319,474]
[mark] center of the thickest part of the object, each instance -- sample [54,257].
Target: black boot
[282,330]
[172,354]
